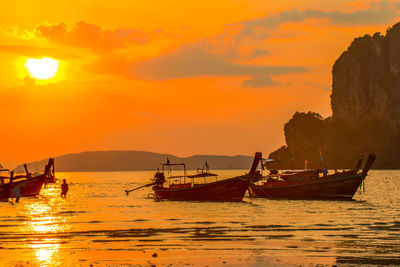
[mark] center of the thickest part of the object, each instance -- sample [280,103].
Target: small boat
[196,188]
[310,185]
[29,185]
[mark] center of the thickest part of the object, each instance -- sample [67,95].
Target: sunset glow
[43,69]
[199,133]
[179,78]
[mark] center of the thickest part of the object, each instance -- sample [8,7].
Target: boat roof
[198,175]
[173,164]
[203,174]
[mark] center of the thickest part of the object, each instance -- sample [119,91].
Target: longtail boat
[29,185]
[310,185]
[196,188]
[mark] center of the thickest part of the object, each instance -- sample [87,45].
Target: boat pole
[256,160]
[26,170]
[146,185]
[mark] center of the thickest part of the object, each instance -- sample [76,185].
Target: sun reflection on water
[45,252]
[45,226]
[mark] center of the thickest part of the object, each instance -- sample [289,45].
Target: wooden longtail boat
[29,185]
[232,189]
[309,185]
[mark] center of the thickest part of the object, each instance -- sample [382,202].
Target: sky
[168,76]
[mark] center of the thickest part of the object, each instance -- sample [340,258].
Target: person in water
[325,171]
[16,193]
[10,187]
[13,192]
[64,188]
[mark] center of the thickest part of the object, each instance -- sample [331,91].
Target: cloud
[15,97]
[258,53]
[82,34]
[33,51]
[195,60]
[259,81]
[109,64]
[378,12]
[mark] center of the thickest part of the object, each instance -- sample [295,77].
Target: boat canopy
[173,164]
[203,174]
[169,164]
[198,175]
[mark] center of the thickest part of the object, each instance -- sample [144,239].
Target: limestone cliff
[365,104]
[366,80]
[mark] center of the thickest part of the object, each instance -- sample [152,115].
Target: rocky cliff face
[366,80]
[365,109]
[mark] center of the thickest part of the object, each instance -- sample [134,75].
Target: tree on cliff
[305,135]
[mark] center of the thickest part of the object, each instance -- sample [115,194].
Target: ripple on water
[96,218]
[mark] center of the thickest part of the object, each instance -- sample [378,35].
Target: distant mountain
[135,161]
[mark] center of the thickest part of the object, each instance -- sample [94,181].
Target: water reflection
[45,226]
[45,252]
[98,224]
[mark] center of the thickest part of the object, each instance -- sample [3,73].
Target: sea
[97,224]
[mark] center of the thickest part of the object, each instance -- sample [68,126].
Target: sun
[42,69]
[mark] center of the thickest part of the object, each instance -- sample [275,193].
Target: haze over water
[98,224]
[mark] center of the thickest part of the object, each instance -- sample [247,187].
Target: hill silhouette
[135,161]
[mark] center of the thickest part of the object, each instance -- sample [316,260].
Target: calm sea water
[97,224]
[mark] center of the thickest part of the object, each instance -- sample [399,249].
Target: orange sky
[180,77]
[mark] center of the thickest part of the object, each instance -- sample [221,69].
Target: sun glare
[42,69]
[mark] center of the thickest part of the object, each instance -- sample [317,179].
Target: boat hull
[28,187]
[31,186]
[232,189]
[326,188]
